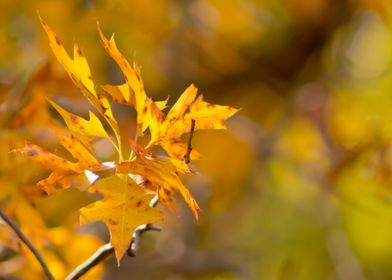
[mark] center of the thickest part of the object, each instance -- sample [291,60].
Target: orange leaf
[29,219]
[162,173]
[49,185]
[48,160]
[59,181]
[137,149]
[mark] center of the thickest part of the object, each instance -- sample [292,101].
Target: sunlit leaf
[80,126]
[79,152]
[122,209]
[48,160]
[135,83]
[163,174]
[79,71]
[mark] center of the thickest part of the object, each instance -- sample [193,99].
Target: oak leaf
[64,173]
[84,130]
[79,152]
[79,72]
[123,208]
[134,92]
[166,131]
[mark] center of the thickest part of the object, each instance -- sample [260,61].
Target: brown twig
[187,157]
[27,242]
[134,247]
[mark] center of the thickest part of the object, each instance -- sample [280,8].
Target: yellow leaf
[80,126]
[122,209]
[35,113]
[159,125]
[206,116]
[182,104]
[157,119]
[59,181]
[77,68]
[135,83]
[79,152]
[177,149]
[161,104]
[163,174]
[67,250]
[120,94]
[73,249]
[209,116]
[166,131]
[182,167]
[29,220]
[79,72]
[49,185]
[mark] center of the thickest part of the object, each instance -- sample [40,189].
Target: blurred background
[299,187]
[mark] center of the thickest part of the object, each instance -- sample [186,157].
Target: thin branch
[107,250]
[100,255]
[26,241]
[187,157]
[134,246]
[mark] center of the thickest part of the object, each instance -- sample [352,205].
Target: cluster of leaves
[129,184]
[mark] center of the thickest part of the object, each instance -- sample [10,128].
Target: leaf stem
[27,242]
[131,154]
[118,137]
[116,147]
